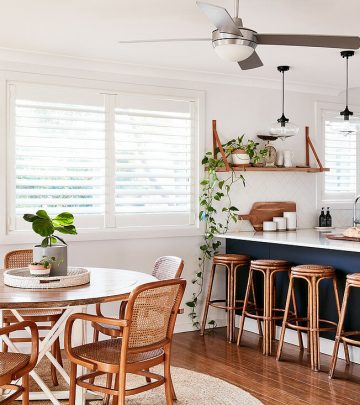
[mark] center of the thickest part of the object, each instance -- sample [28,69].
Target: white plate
[324,228]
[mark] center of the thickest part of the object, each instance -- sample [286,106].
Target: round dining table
[106,285]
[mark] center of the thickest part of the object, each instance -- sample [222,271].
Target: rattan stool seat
[313,269]
[354,279]
[10,363]
[271,263]
[228,258]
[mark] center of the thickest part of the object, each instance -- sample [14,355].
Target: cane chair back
[167,267]
[18,258]
[152,310]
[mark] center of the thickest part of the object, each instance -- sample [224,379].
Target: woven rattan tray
[21,278]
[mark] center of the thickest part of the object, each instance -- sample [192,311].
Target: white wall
[238,109]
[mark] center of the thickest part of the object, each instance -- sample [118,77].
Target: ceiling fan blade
[219,17]
[252,62]
[146,41]
[324,41]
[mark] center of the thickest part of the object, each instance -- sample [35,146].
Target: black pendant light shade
[347,113]
[283,128]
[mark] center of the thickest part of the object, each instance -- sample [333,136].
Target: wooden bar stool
[269,268]
[352,281]
[231,263]
[313,274]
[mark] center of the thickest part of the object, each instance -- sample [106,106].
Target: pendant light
[283,128]
[347,113]
[346,122]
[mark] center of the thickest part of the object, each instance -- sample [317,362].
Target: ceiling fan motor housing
[232,47]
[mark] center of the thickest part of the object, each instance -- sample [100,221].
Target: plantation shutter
[154,157]
[60,151]
[340,156]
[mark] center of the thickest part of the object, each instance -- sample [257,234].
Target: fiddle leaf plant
[45,226]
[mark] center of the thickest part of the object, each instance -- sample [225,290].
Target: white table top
[302,237]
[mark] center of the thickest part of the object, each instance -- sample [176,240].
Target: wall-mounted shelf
[246,168]
[275,169]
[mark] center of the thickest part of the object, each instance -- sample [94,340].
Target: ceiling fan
[235,43]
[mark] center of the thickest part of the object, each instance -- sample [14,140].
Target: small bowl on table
[39,270]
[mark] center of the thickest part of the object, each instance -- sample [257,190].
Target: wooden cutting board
[265,211]
[342,237]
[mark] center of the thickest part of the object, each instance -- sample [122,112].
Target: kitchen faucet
[355,219]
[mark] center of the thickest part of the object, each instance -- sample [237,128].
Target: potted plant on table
[244,152]
[43,267]
[45,226]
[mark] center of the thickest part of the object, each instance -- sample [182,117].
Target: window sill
[84,235]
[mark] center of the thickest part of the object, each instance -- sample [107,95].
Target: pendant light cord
[347,81]
[283,91]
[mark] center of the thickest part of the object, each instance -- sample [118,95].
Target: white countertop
[302,237]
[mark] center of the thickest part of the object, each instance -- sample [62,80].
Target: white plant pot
[38,270]
[59,267]
[240,157]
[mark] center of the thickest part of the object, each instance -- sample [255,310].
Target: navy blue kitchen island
[305,246]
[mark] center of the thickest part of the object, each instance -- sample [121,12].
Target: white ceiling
[91,29]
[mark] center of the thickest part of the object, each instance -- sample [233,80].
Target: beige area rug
[191,388]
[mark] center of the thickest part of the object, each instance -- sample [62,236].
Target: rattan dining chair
[165,268]
[14,366]
[47,317]
[147,326]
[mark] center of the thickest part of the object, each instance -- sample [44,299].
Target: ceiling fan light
[234,52]
[283,131]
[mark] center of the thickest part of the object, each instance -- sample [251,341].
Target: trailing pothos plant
[217,212]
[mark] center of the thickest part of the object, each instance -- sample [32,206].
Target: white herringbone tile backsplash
[298,187]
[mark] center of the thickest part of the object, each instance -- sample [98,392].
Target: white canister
[269,226]
[290,220]
[280,223]
[279,158]
[288,156]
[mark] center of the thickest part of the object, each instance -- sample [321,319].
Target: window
[341,153]
[113,160]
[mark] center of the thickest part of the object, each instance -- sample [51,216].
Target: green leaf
[68,229]
[204,182]
[221,184]
[190,304]
[43,227]
[45,242]
[30,217]
[53,240]
[233,209]
[65,218]
[42,214]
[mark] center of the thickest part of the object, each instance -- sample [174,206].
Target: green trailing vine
[217,212]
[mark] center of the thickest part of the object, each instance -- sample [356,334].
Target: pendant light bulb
[283,128]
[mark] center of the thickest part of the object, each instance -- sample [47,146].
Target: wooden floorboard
[289,381]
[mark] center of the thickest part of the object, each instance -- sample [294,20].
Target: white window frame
[7,156]
[335,203]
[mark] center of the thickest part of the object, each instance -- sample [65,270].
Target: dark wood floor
[287,382]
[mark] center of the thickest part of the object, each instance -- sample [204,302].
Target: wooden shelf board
[276,169]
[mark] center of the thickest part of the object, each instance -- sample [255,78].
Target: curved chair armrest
[89,318]
[34,343]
